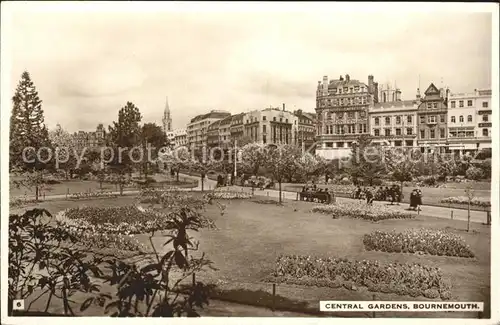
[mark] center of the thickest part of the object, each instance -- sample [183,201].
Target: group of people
[415,199]
[315,194]
[391,194]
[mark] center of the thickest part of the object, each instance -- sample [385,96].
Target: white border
[309,7]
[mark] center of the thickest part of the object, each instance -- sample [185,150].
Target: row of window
[453,103]
[340,116]
[346,90]
[432,119]
[344,101]
[387,132]
[469,118]
[409,119]
[345,129]
[468,134]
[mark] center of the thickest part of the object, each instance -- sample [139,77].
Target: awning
[486,145]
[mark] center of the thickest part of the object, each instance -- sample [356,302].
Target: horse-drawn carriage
[319,196]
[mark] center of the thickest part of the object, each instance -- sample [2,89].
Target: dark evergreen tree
[27,127]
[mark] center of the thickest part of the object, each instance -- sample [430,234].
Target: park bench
[322,197]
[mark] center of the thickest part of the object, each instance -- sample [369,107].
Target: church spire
[167,119]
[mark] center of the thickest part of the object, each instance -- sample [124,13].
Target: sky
[86,65]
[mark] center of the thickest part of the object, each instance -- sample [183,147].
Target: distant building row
[266,126]
[439,121]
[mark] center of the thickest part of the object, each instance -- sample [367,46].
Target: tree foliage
[366,161]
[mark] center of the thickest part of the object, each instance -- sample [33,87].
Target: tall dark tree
[153,137]
[28,130]
[124,134]
[27,127]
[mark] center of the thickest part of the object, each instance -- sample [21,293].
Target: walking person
[419,199]
[413,200]
[369,197]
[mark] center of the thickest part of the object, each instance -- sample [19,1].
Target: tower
[167,119]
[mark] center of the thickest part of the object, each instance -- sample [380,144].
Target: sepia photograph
[287,160]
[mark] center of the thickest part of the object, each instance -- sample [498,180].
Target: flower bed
[477,201]
[229,195]
[403,279]
[426,241]
[92,195]
[119,220]
[19,202]
[360,210]
[94,238]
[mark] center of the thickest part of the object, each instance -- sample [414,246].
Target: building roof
[345,82]
[211,114]
[227,120]
[396,104]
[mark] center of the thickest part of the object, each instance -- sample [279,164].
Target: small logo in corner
[18,304]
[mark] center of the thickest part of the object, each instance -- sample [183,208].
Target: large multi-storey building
[180,138]
[236,128]
[342,113]
[432,120]
[306,130]
[197,128]
[213,134]
[95,139]
[271,126]
[469,121]
[394,123]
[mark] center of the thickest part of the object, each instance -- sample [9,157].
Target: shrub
[429,180]
[361,210]
[474,173]
[477,201]
[433,242]
[413,279]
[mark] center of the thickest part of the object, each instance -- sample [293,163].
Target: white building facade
[469,121]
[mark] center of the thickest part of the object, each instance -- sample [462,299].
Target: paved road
[431,211]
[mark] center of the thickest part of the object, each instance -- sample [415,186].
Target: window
[429,105]
[409,119]
[485,132]
[453,104]
[377,121]
[433,134]
[362,114]
[264,128]
[441,118]
[485,104]
[442,133]
[274,119]
[398,119]
[431,119]
[377,132]
[387,120]
[340,90]
[263,118]
[422,119]
[409,131]
[264,139]
[398,131]
[469,103]
[387,132]
[340,144]
[460,103]
[281,119]
[461,118]
[453,120]
[422,134]
[350,115]
[286,120]
[469,118]
[485,118]
[435,105]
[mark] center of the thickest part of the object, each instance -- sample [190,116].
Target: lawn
[252,235]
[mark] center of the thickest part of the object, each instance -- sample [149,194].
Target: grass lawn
[252,235]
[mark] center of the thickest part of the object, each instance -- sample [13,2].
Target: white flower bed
[477,201]
[92,195]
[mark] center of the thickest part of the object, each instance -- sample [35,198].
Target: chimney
[341,78]
[283,107]
[370,84]
[347,78]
